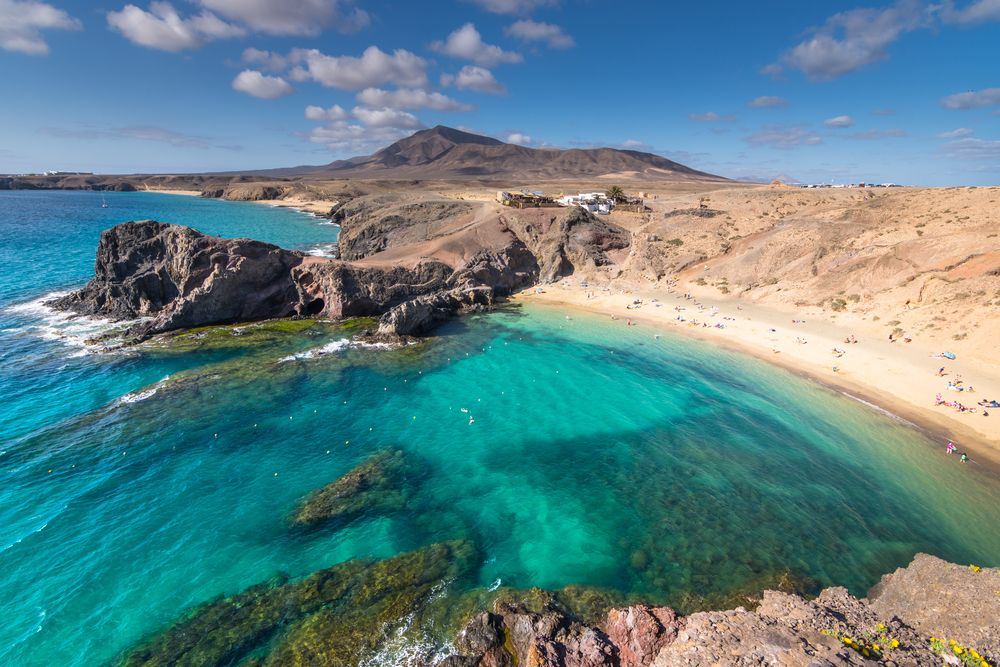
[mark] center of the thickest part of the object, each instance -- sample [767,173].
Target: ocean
[137,484]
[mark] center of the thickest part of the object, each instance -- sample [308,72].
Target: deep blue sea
[137,484]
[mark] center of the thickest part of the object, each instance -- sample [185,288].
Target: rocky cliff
[174,277]
[957,606]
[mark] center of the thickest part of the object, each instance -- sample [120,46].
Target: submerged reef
[374,486]
[929,613]
[329,618]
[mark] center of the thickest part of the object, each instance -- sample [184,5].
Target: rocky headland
[928,613]
[413,261]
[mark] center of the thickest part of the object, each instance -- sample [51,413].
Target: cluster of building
[595,202]
[850,185]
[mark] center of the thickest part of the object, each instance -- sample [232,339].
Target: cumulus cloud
[519,138]
[267,60]
[973,149]
[513,6]
[21,23]
[711,117]
[765,101]
[839,121]
[386,117]
[781,136]
[345,137]
[162,28]
[409,98]
[955,134]
[466,43]
[475,78]
[535,31]
[254,83]
[374,68]
[336,112]
[291,17]
[980,11]
[849,40]
[973,99]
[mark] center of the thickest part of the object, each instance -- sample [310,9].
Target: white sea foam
[316,352]
[333,348]
[142,395]
[324,250]
[65,327]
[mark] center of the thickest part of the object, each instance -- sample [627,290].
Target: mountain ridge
[443,152]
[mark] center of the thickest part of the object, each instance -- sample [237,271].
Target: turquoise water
[599,455]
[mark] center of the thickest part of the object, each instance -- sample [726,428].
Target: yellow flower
[880,626]
[958,650]
[875,646]
[974,568]
[894,643]
[866,652]
[952,642]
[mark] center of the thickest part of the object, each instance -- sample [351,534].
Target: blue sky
[907,92]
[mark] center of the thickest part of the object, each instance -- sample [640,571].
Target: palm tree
[615,194]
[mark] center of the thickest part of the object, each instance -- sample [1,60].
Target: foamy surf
[332,348]
[141,395]
[324,250]
[71,329]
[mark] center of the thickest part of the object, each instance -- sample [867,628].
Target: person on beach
[964,458]
[950,448]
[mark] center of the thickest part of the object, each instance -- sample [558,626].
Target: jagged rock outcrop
[372,223]
[567,240]
[418,316]
[893,626]
[247,192]
[178,277]
[174,277]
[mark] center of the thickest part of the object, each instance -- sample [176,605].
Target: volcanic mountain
[446,153]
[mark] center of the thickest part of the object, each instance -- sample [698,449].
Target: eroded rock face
[179,277]
[928,598]
[944,599]
[566,240]
[175,277]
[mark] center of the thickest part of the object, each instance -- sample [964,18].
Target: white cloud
[765,101]
[409,98]
[268,60]
[475,78]
[466,43]
[536,31]
[957,133]
[254,83]
[980,11]
[973,149]
[973,99]
[291,17]
[343,137]
[839,121]
[519,138]
[162,27]
[21,21]
[780,136]
[513,6]
[373,68]
[849,40]
[336,112]
[711,117]
[386,117]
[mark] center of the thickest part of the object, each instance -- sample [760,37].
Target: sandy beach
[900,378]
